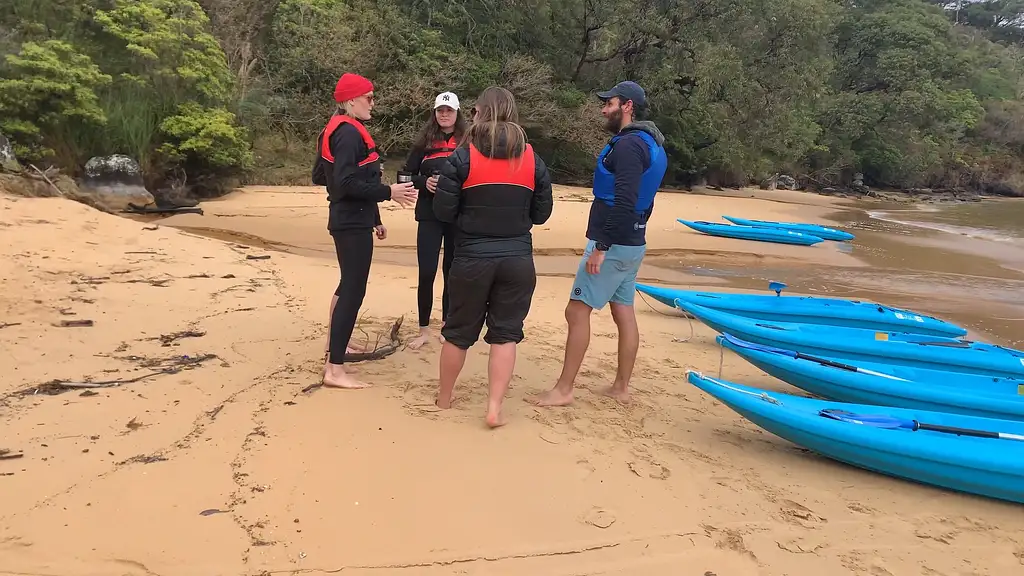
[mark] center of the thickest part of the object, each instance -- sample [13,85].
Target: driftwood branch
[48,181]
[379,351]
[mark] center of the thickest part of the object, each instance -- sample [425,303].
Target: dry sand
[221,465]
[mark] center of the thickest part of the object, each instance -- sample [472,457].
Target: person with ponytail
[494,188]
[348,164]
[438,138]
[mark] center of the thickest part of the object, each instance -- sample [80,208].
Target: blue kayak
[894,348]
[883,440]
[751,233]
[808,310]
[814,229]
[886,384]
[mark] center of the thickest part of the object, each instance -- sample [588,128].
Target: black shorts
[497,291]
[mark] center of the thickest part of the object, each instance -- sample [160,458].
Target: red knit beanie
[351,86]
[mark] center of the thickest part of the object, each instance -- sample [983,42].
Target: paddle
[886,421]
[802,356]
[778,287]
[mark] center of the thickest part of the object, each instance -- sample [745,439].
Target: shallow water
[996,220]
[927,263]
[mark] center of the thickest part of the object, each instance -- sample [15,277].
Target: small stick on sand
[75,324]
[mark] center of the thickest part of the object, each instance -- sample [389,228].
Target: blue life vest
[604,181]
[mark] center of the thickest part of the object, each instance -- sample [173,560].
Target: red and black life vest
[504,172]
[325,158]
[497,195]
[440,148]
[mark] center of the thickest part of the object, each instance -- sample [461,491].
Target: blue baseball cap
[626,90]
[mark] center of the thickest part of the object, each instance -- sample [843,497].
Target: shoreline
[221,465]
[886,263]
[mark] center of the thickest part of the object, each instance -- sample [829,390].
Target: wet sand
[214,462]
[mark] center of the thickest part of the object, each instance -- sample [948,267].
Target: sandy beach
[202,455]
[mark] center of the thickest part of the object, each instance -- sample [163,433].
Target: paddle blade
[876,420]
[776,287]
[761,347]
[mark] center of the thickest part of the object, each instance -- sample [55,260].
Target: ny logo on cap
[445,98]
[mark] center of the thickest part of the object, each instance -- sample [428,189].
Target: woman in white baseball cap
[440,135]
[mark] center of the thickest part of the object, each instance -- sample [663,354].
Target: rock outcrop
[783,181]
[113,182]
[8,161]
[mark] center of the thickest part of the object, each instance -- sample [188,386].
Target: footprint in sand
[858,507]
[937,533]
[650,470]
[733,540]
[586,468]
[599,518]
[796,513]
[552,437]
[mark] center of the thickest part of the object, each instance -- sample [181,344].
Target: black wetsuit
[431,233]
[350,169]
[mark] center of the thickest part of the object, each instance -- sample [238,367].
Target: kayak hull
[887,385]
[809,310]
[895,348]
[751,233]
[814,229]
[981,466]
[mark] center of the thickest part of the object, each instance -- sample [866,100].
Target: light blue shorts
[615,282]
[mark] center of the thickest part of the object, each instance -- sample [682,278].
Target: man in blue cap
[628,174]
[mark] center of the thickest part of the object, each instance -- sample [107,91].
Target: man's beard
[614,123]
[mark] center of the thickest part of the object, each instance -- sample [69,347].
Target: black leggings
[429,236]
[355,251]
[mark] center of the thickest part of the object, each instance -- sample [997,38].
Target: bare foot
[348,350]
[446,404]
[419,341]
[336,377]
[495,419]
[553,397]
[622,396]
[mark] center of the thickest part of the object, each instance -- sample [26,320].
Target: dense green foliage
[910,93]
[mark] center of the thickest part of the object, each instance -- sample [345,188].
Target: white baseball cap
[447,99]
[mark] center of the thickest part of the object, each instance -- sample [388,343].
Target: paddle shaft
[826,362]
[885,421]
[966,432]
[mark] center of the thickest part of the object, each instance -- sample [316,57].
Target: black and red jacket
[422,164]
[348,164]
[493,200]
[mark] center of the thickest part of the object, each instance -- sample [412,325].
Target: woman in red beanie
[348,165]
